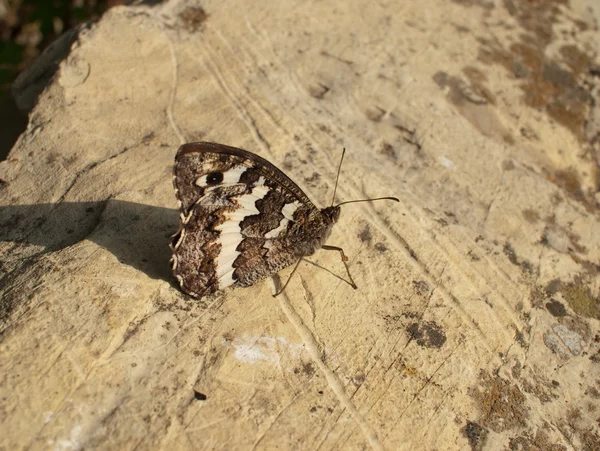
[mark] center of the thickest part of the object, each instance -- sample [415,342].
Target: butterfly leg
[289,278]
[344,260]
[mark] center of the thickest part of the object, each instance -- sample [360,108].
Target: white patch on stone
[73,442]
[48,416]
[255,349]
[446,162]
[231,233]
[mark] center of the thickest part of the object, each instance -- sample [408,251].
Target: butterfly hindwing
[242,219]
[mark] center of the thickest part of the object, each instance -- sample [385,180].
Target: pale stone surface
[476,321]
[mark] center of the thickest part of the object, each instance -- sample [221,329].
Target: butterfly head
[331,213]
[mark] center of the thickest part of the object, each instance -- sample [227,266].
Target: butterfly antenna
[338,176]
[368,200]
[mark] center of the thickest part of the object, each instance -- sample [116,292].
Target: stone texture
[481,116]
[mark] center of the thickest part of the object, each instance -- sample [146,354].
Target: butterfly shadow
[136,234]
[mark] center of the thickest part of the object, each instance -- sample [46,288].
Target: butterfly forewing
[242,219]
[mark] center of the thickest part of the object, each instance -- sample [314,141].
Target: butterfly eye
[214,178]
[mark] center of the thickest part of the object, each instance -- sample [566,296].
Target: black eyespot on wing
[214,178]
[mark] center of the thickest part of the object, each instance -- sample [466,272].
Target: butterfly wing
[242,219]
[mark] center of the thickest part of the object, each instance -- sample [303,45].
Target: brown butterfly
[242,219]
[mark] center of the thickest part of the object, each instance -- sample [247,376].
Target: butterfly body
[241,220]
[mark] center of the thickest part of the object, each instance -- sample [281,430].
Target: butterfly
[241,219]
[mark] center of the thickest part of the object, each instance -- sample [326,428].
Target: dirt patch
[580,298]
[546,84]
[475,434]
[428,334]
[512,257]
[192,18]
[501,404]
[531,216]
[540,441]
[556,308]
